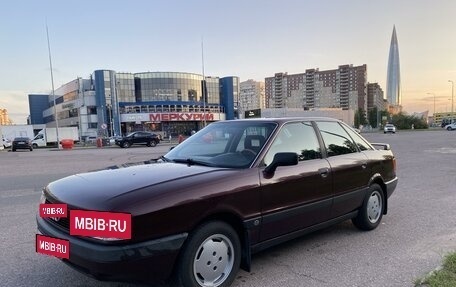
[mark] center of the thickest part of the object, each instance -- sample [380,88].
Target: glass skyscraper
[393,82]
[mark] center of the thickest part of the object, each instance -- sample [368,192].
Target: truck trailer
[48,136]
[9,132]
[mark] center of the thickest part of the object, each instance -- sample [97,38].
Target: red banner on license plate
[53,246]
[100,224]
[53,210]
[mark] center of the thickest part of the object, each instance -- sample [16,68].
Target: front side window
[336,139]
[295,137]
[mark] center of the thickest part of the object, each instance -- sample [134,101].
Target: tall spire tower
[393,81]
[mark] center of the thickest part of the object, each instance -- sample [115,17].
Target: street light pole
[56,118]
[204,84]
[434,102]
[452,98]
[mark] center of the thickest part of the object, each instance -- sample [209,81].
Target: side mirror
[281,159]
[384,146]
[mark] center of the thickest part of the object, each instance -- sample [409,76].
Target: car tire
[449,128]
[13,149]
[211,256]
[371,212]
[35,145]
[153,143]
[126,145]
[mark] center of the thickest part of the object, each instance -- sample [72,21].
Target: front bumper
[149,261]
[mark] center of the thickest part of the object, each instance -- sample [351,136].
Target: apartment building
[252,95]
[344,87]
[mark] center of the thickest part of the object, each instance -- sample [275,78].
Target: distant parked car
[147,138]
[6,143]
[389,128]
[22,143]
[450,127]
[91,139]
[112,140]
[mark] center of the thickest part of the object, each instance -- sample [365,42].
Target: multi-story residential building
[4,119]
[375,97]
[345,88]
[251,95]
[111,103]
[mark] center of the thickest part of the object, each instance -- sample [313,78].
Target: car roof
[284,120]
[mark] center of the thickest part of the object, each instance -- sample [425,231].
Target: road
[419,229]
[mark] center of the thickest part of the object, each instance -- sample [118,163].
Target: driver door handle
[324,172]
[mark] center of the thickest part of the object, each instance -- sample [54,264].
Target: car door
[297,196]
[349,168]
[138,138]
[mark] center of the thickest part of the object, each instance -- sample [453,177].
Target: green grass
[444,277]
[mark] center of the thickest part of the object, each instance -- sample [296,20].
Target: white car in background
[6,143]
[450,127]
[389,128]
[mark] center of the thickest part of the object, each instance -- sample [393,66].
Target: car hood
[102,190]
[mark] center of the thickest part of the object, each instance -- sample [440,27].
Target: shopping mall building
[110,103]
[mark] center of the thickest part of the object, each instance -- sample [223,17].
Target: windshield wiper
[191,161]
[165,159]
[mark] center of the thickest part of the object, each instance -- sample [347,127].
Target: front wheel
[371,212]
[126,145]
[449,128]
[153,143]
[211,256]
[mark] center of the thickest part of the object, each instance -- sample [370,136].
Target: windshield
[231,144]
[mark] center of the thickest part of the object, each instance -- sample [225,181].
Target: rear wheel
[371,212]
[211,256]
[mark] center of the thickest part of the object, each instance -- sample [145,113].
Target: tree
[372,115]
[360,118]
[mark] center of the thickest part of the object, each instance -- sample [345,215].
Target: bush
[405,122]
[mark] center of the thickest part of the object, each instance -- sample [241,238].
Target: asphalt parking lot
[419,229]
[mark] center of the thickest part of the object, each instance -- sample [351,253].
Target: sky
[251,39]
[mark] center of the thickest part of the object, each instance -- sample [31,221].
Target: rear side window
[337,140]
[360,141]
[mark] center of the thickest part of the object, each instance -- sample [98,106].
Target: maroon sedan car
[230,190]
